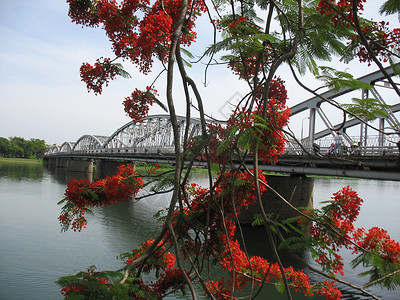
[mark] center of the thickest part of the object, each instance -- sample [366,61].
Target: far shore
[20,160]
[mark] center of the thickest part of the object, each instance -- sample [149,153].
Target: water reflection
[125,226]
[21,170]
[31,239]
[62,176]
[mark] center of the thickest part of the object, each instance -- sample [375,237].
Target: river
[34,253]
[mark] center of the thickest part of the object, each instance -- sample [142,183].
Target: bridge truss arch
[372,156]
[325,127]
[54,149]
[153,135]
[67,147]
[89,142]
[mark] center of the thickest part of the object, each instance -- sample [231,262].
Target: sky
[42,96]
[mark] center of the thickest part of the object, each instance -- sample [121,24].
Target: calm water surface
[34,253]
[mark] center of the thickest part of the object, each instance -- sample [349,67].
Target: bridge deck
[359,166]
[377,155]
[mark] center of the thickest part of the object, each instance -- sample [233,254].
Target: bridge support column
[61,162]
[52,161]
[381,134]
[298,190]
[80,166]
[311,127]
[105,168]
[363,126]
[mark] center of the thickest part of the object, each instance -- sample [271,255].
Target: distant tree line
[19,147]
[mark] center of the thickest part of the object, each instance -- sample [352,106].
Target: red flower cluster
[96,76]
[132,38]
[233,192]
[80,11]
[137,105]
[242,268]
[170,279]
[330,262]
[161,260]
[381,39]
[241,187]
[82,194]
[249,61]
[272,143]
[341,11]
[339,215]
[249,67]
[278,113]
[244,125]
[237,22]
[217,135]
[378,240]
[329,291]
[86,281]
[69,289]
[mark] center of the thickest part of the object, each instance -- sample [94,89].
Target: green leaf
[273,229]
[258,220]
[260,121]
[225,144]
[367,108]
[336,80]
[121,71]
[223,147]
[395,66]
[159,103]
[187,53]
[162,183]
[293,243]
[62,201]
[280,287]
[215,168]
[245,139]
[188,64]
[390,7]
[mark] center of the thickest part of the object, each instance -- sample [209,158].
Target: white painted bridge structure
[368,154]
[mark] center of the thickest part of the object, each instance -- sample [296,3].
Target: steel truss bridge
[370,154]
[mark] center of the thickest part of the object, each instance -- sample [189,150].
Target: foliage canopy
[253,38]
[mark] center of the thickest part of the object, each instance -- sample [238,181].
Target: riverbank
[20,160]
[143,168]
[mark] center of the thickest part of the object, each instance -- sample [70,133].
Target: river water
[34,253]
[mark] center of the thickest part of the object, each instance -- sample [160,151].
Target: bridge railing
[326,146]
[321,146]
[141,150]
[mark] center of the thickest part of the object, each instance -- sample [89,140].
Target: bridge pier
[61,162]
[52,162]
[105,168]
[80,166]
[298,190]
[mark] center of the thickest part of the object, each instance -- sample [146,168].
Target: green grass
[20,160]
[332,177]
[143,169]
